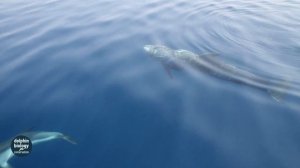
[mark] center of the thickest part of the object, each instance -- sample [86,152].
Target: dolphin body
[35,137]
[210,64]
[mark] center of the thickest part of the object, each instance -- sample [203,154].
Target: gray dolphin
[35,137]
[210,64]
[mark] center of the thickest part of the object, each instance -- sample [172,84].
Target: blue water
[79,67]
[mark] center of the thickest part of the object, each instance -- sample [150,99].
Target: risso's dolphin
[35,137]
[210,64]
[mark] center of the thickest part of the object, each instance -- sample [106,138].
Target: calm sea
[78,67]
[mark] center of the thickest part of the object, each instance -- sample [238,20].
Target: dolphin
[35,137]
[210,64]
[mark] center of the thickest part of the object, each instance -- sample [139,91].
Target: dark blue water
[79,67]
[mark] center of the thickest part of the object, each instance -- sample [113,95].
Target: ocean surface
[79,67]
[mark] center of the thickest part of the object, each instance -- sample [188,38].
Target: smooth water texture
[79,67]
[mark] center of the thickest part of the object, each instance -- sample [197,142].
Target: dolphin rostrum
[35,137]
[210,64]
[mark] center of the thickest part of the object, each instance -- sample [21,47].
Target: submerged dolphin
[35,137]
[210,64]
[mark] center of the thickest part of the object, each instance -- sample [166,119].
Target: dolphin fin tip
[69,139]
[7,165]
[277,96]
[168,70]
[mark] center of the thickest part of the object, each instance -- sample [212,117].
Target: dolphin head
[149,49]
[152,50]
[159,52]
[165,55]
